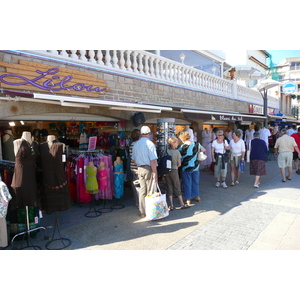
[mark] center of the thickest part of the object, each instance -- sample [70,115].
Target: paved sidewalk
[239,217]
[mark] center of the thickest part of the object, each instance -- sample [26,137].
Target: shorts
[285,159]
[295,155]
[235,160]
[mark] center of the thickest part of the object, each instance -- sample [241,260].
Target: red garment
[296,137]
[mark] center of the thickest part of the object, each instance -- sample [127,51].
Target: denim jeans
[190,181]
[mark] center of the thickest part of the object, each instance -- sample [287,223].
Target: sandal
[185,206]
[171,208]
[187,202]
[288,178]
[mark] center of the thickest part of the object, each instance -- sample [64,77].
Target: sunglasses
[220,134]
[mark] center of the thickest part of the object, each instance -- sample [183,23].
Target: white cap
[145,130]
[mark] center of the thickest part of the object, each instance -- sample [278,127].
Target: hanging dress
[55,191]
[91,180]
[119,180]
[24,183]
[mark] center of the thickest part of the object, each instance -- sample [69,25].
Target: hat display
[145,130]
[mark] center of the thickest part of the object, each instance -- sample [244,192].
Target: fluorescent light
[22,122]
[72,104]
[11,124]
[218,113]
[99,101]
[135,109]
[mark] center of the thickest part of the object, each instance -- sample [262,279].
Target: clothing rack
[9,165]
[27,232]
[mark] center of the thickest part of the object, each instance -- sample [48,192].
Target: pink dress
[102,179]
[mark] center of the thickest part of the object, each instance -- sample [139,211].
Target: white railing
[143,64]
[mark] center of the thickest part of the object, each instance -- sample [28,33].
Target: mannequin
[24,183]
[248,136]
[118,177]
[190,131]
[8,145]
[102,177]
[55,191]
[91,180]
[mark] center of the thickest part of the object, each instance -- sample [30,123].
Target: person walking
[237,154]
[219,158]
[145,156]
[296,137]
[172,178]
[190,167]
[258,150]
[135,136]
[284,148]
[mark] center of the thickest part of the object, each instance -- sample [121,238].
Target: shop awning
[221,116]
[82,102]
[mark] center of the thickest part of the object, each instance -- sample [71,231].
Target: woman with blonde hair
[190,167]
[172,178]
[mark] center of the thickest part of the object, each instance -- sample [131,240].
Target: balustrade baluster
[82,55]
[135,64]
[100,58]
[157,67]
[140,63]
[162,72]
[73,54]
[107,58]
[64,53]
[128,61]
[115,59]
[171,72]
[146,64]
[151,68]
[122,60]
[92,56]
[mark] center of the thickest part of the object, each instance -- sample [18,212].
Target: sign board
[30,76]
[92,143]
[289,87]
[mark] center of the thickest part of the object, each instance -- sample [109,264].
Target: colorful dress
[91,180]
[102,179]
[119,180]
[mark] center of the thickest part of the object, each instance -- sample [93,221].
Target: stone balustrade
[142,64]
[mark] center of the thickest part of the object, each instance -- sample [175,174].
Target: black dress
[24,182]
[55,190]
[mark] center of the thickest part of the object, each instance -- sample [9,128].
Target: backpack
[164,165]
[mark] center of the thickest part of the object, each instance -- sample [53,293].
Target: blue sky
[279,55]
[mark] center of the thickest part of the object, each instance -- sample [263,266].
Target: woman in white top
[218,149]
[237,147]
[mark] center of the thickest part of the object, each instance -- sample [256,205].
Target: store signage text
[227,118]
[48,84]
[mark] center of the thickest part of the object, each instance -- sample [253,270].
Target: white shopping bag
[156,204]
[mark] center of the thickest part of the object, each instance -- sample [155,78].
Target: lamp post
[263,89]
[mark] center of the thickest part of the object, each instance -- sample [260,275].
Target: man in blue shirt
[145,156]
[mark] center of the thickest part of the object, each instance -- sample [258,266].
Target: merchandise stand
[117,205]
[105,209]
[27,232]
[64,241]
[93,212]
[166,128]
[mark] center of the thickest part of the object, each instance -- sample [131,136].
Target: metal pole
[265,98]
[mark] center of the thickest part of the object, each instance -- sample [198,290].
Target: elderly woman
[258,151]
[237,148]
[218,150]
[190,167]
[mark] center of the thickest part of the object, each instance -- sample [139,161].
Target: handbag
[201,155]
[156,204]
[242,166]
